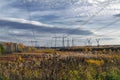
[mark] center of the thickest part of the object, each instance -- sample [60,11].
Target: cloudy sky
[40,20]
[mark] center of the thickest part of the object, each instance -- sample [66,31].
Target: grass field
[60,65]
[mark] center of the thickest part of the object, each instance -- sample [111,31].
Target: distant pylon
[98,42]
[89,42]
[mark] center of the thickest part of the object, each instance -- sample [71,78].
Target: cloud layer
[23,18]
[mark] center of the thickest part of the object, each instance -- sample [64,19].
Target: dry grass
[60,65]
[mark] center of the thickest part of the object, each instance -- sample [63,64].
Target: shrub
[113,75]
[1,48]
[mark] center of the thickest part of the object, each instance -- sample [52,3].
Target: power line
[94,15]
[29,17]
[108,25]
[101,28]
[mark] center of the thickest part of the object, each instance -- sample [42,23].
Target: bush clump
[1,49]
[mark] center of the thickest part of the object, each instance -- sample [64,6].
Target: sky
[42,20]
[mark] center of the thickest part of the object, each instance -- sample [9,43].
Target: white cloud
[70,14]
[26,21]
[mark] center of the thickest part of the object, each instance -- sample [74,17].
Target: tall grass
[27,67]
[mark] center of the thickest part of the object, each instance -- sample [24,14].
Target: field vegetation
[76,63]
[61,65]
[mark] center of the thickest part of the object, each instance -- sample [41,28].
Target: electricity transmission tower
[55,41]
[98,42]
[63,40]
[89,42]
[34,43]
[68,42]
[73,42]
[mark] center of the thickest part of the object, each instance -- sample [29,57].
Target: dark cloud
[79,21]
[43,29]
[46,18]
[117,15]
[21,35]
[43,5]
